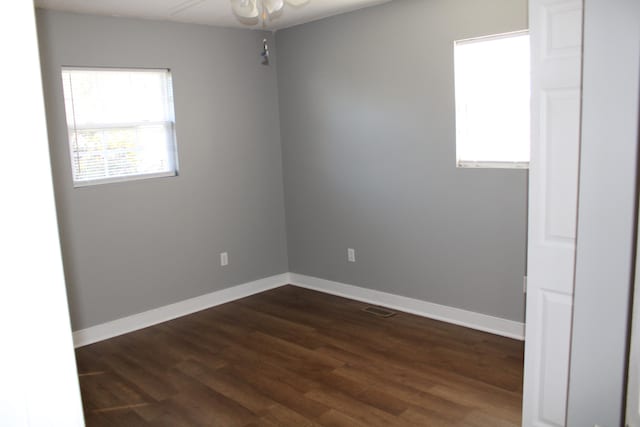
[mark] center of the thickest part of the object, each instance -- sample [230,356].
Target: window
[121,124]
[492,83]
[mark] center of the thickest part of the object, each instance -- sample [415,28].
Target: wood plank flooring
[294,357]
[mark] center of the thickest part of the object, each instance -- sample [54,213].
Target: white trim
[126,69]
[162,314]
[470,319]
[457,316]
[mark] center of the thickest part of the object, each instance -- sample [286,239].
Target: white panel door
[556,37]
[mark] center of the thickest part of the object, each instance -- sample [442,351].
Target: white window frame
[458,113]
[169,126]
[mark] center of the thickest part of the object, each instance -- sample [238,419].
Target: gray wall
[607,213]
[368,135]
[368,147]
[130,247]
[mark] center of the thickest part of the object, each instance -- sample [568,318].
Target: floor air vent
[379,311]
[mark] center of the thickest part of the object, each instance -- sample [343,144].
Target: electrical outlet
[224,259]
[351,255]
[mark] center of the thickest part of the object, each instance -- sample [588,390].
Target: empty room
[323,213]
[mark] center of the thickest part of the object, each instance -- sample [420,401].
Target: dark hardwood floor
[294,357]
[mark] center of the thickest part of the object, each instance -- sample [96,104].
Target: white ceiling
[209,12]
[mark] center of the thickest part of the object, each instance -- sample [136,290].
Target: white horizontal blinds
[120,123]
[492,83]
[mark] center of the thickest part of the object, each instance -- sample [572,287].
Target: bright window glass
[121,124]
[492,84]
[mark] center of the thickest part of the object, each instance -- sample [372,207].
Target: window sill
[492,165]
[89,183]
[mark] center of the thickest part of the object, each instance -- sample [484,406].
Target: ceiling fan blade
[245,8]
[297,3]
[273,6]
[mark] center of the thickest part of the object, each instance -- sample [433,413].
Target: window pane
[120,123]
[492,81]
[116,152]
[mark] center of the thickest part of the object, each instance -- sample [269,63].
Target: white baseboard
[470,319]
[162,314]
